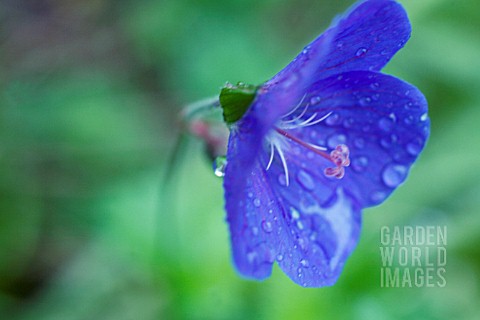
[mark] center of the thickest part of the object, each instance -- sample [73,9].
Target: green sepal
[235,100]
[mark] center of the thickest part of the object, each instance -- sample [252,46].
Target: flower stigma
[277,141]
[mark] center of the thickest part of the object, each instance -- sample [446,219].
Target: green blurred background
[90,93]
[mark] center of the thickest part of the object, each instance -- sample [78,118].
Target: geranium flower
[325,137]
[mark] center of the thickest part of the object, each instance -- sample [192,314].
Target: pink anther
[339,157]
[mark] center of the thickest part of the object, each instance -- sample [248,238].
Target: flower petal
[381,119]
[248,203]
[271,221]
[365,39]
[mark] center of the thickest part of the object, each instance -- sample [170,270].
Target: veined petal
[270,221]
[365,38]
[381,119]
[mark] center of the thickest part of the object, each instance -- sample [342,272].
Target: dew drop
[414,147]
[279,257]
[424,117]
[303,243]
[219,165]
[300,225]
[374,85]
[361,51]
[315,100]
[336,139]
[267,226]
[384,52]
[378,196]
[282,179]
[333,119]
[386,124]
[359,143]
[305,180]
[294,213]
[408,119]
[360,164]
[304,263]
[290,81]
[250,195]
[364,101]
[394,174]
[255,231]
[256,202]
[388,141]
[348,123]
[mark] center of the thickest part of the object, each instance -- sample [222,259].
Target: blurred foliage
[89,102]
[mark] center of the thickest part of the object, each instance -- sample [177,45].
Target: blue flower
[325,137]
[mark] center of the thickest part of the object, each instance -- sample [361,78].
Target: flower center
[338,156]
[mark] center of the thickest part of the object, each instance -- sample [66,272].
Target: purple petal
[249,203]
[365,39]
[272,221]
[381,119]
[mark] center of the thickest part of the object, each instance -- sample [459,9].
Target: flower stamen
[338,156]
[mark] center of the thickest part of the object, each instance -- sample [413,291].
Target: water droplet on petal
[279,257]
[378,196]
[333,119]
[299,270]
[255,231]
[282,179]
[252,256]
[361,51]
[336,139]
[414,147]
[386,124]
[348,123]
[359,143]
[388,141]
[424,117]
[256,202]
[305,180]
[315,100]
[304,263]
[300,225]
[408,119]
[267,226]
[394,174]
[360,164]
[294,213]
[219,165]
[374,85]
[290,81]
[364,101]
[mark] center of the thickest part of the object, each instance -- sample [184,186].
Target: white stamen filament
[276,137]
